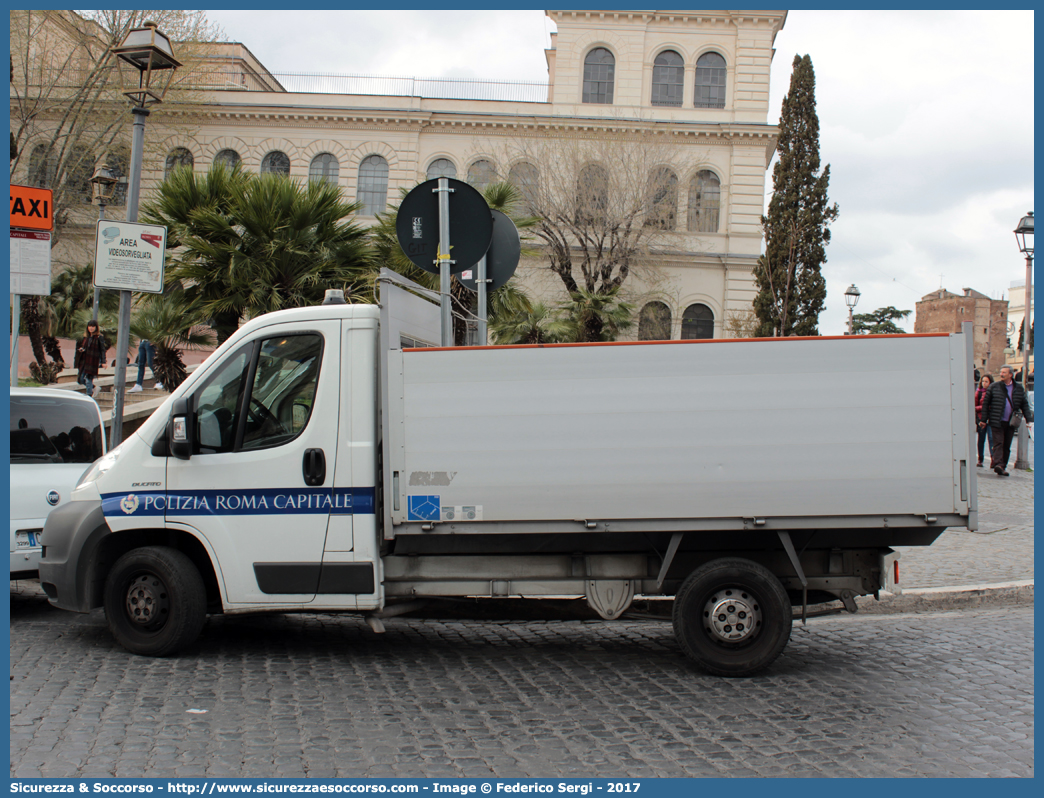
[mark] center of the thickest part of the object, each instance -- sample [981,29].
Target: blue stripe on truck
[262,501]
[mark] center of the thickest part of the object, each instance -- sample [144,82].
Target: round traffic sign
[501,257]
[470,225]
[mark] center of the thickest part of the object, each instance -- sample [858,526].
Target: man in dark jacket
[1001,401]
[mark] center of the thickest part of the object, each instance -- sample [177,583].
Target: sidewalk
[190,357]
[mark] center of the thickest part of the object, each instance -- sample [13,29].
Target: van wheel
[732,617]
[155,601]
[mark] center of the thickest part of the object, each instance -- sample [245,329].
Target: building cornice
[493,124]
[761,18]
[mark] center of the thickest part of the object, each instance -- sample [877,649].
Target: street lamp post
[145,55]
[103,184]
[851,299]
[1024,236]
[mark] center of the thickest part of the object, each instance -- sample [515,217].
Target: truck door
[257,487]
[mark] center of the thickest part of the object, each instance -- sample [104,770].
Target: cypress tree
[789,279]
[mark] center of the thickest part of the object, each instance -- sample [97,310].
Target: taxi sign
[32,208]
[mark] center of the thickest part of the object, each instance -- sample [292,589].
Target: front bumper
[71,537]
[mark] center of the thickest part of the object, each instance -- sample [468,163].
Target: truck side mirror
[181,428]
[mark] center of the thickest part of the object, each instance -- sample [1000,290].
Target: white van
[55,436]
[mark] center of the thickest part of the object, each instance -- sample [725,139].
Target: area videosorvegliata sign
[130,256]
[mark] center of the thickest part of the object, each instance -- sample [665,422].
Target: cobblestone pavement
[1000,551]
[945,694]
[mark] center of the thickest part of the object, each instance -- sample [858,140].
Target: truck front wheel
[732,617]
[155,601]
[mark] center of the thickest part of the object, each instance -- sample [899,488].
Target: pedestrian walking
[90,354]
[985,430]
[146,356]
[1001,402]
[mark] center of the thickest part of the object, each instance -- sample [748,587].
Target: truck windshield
[54,430]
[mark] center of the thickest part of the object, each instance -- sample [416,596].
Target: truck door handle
[314,467]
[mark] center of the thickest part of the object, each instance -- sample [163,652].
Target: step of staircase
[106,398]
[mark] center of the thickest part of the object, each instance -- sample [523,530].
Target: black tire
[750,629]
[155,601]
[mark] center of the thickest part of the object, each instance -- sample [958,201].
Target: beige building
[1017,309]
[942,311]
[693,83]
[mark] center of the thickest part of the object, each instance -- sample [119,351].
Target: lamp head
[852,296]
[144,54]
[103,183]
[1024,234]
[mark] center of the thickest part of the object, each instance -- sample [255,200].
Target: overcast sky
[926,121]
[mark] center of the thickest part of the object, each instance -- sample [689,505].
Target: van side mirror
[181,428]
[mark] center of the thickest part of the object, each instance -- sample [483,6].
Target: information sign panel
[129,256]
[30,263]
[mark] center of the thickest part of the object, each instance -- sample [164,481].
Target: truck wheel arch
[114,545]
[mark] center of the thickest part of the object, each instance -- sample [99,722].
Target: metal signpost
[495,267]
[444,226]
[444,261]
[32,220]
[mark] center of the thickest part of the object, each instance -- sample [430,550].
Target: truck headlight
[101,465]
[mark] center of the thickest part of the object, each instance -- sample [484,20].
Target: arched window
[276,163]
[662,199]
[668,76]
[592,194]
[710,81]
[526,178]
[599,67]
[481,174]
[119,163]
[697,322]
[441,167]
[41,167]
[227,158]
[177,157]
[654,322]
[324,166]
[79,169]
[373,185]
[704,203]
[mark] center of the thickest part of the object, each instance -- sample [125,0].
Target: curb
[935,599]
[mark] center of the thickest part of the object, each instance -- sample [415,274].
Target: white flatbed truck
[329,459]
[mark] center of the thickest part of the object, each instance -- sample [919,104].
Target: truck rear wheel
[732,617]
[155,601]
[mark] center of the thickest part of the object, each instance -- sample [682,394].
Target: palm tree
[166,321]
[248,244]
[72,290]
[536,324]
[197,207]
[290,243]
[593,316]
